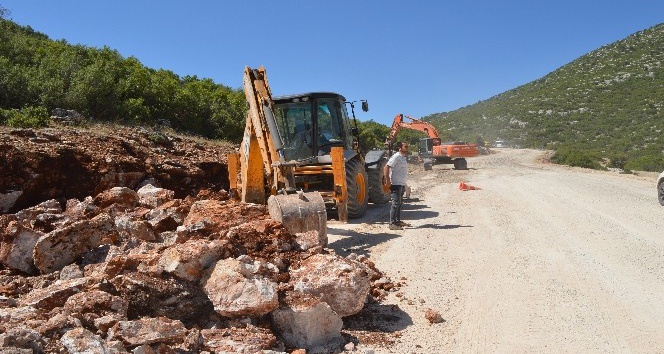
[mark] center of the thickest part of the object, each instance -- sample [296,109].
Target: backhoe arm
[254,168]
[260,117]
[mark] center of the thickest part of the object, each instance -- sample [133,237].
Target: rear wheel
[428,164]
[660,193]
[460,164]
[356,181]
[376,174]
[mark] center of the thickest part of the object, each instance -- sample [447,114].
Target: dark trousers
[396,192]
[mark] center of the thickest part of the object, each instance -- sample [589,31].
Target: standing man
[396,174]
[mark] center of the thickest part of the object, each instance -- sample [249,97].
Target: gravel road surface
[541,259]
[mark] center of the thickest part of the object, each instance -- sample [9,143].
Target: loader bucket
[299,212]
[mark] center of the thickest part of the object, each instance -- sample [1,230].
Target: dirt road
[542,259]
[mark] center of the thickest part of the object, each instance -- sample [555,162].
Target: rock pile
[143,271]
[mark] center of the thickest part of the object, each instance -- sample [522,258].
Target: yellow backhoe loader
[300,154]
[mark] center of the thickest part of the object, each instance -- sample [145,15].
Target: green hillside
[607,105]
[38,74]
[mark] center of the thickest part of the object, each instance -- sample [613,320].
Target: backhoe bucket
[299,212]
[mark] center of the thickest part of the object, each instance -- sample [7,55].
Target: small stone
[433,316]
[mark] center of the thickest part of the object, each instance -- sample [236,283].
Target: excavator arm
[414,124]
[254,165]
[260,116]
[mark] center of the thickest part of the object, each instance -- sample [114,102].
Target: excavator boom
[414,124]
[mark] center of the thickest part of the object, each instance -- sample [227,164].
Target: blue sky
[411,57]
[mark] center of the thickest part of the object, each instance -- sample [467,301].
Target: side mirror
[365,106]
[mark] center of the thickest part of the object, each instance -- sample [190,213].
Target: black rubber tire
[428,164]
[460,164]
[660,193]
[358,197]
[376,174]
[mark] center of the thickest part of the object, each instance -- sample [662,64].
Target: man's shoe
[403,224]
[395,227]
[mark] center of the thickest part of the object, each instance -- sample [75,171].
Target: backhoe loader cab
[311,124]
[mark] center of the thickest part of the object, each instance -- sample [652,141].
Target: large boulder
[89,306]
[60,247]
[54,295]
[342,283]
[152,197]
[238,340]
[188,260]
[22,338]
[237,289]
[17,245]
[15,317]
[305,321]
[77,209]
[148,331]
[8,199]
[80,340]
[122,197]
[137,229]
[50,206]
[167,216]
[153,296]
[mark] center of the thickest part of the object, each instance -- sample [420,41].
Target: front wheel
[660,193]
[376,174]
[428,164]
[356,182]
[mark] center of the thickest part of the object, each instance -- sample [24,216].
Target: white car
[660,188]
[501,144]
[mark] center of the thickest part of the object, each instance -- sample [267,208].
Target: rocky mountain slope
[610,100]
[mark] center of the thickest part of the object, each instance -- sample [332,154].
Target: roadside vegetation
[38,74]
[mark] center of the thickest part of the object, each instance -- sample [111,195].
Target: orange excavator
[431,149]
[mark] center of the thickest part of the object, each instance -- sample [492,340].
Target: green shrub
[618,160]
[27,117]
[4,115]
[650,163]
[578,158]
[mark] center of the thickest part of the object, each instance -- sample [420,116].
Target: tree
[372,134]
[38,72]
[4,13]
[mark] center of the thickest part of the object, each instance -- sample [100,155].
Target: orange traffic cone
[466,187]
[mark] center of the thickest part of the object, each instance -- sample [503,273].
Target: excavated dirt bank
[64,163]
